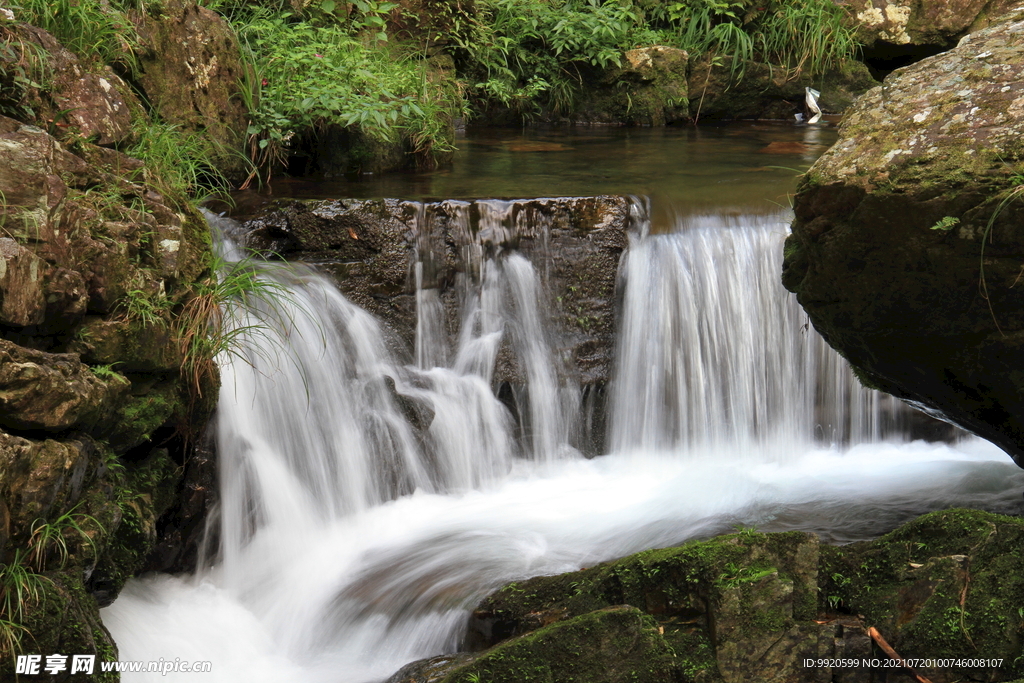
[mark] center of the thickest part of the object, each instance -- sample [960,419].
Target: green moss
[141,416]
[145,491]
[614,644]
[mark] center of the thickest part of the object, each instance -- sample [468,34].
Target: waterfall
[369,503]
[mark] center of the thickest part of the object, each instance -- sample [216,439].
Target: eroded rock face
[927,22]
[94,101]
[93,266]
[53,392]
[907,243]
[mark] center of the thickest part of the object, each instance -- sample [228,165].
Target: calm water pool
[745,167]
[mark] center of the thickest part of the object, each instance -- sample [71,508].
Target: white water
[352,546]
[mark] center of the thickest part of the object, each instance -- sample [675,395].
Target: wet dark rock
[371,247]
[893,222]
[765,92]
[431,670]
[418,413]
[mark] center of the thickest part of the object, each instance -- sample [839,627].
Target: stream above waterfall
[369,501]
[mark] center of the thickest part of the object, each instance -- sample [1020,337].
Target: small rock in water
[785,148]
[537,146]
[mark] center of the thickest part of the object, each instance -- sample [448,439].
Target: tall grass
[178,163]
[19,588]
[89,28]
[204,332]
[806,35]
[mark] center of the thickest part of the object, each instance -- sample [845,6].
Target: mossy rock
[613,645]
[146,490]
[141,415]
[754,607]
[671,584]
[65,620]
[650,88]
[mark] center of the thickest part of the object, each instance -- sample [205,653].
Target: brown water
[742,167]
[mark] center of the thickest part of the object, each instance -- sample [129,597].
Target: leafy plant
[49,539]
[107,372]
[143,307]
[946,223]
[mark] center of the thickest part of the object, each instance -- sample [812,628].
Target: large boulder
[906,246]
[923,22]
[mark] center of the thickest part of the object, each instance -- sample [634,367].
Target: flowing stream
[355,538]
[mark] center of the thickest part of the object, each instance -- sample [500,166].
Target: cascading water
[368,505]
[708,354]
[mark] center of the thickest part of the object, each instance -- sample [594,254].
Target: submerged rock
[906,246]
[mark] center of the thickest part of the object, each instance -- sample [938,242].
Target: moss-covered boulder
[611,645]
[192,75]
[905,250]
[735,608]
[649,88]
[944,590]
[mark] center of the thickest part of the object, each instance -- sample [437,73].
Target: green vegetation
[178,164]
[93,30]
[946,223]
[322,68]
[531,55]
[20,587]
